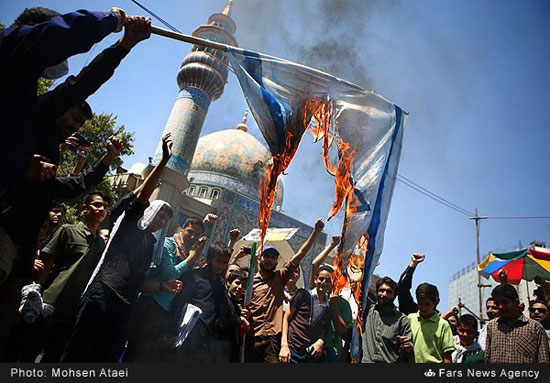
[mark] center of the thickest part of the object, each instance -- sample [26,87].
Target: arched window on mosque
[191,190]
[215,194]
[202,191]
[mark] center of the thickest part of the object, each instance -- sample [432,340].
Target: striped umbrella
[520,264]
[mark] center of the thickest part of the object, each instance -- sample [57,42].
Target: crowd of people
[127,291]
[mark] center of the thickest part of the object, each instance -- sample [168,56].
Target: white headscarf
[143,223]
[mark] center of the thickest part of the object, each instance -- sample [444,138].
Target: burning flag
[360,129]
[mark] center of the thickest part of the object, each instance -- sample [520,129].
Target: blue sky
[474,76]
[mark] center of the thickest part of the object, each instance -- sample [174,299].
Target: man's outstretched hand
[416,258]
[166,147]
[137,28]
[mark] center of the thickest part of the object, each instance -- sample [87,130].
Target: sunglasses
[535,309]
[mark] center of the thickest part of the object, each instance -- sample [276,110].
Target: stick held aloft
[188,39]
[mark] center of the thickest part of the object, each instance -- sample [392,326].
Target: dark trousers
[26,340]
[56,339]
[262,349]
[101,329]
[145,331]
[10,296]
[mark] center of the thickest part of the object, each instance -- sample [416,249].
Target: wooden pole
[479,286]
[189,39]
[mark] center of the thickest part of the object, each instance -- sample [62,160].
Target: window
[202,191]
[215,193]
[191,191]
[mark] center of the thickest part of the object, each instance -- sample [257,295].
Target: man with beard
[60,113]
[387,333]
[266,307]
[38,45]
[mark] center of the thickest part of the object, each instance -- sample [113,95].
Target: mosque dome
[234,153]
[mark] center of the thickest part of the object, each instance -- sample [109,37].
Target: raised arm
[40,46]
[334,241]
[319,225]
[152,179]
[234,236]
[404,297]
[73,186]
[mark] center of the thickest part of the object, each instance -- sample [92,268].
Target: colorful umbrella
[520,264]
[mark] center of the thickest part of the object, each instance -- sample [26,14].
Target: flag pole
[189,39]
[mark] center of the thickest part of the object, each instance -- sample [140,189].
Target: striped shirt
[523,341]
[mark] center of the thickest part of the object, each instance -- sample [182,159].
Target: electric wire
[156,16]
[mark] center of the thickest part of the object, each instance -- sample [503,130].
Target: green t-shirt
[76,252]
[432,338]
[332,338]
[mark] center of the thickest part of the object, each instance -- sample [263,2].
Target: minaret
[201,79]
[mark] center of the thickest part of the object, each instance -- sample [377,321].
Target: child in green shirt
[432,336]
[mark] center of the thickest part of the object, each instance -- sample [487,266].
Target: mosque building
[220,172]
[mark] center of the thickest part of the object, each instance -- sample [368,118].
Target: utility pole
[479,285]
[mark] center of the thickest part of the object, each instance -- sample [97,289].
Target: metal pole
[188,39]
[477,218]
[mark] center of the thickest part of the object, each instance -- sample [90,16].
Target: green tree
[43,85]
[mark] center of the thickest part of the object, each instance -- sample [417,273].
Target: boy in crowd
[432,335]
[211,340]
[236,288]
[307,321]
[514,338]
[467,349]
[387,333]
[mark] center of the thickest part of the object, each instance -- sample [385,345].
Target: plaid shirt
[523,341]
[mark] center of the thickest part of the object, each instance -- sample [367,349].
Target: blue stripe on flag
[375,220]
[252,64]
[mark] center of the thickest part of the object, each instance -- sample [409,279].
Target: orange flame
[268,183]
[320,127]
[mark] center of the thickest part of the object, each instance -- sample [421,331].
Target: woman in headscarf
[105,309]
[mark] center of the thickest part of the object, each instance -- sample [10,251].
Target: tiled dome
[232,152]
[237,154]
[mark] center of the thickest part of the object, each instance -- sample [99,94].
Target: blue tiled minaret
[201,79]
